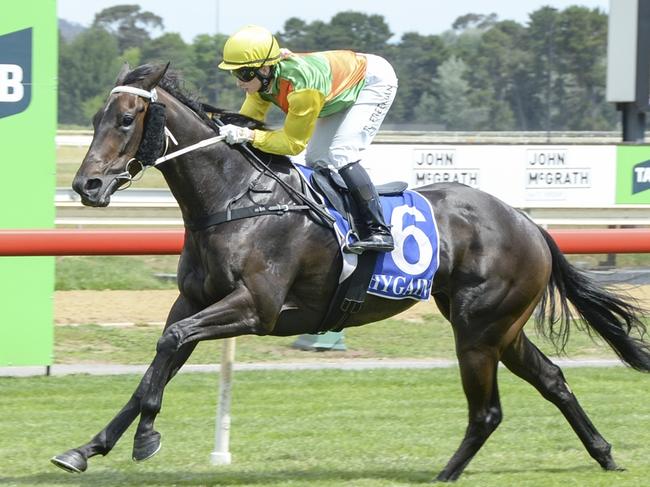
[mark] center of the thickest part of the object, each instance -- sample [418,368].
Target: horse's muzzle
[95,191]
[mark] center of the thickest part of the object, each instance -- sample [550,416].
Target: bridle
[152,96]
[263,168]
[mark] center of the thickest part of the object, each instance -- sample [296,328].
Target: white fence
[70,212]
[558,178]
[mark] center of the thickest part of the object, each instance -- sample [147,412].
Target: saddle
[351,293]
[332,186]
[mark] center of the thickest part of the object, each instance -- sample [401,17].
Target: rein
[228,215]
[315,207]
[189,148]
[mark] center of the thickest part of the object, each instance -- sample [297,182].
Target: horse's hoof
[71,461]
[144,447]
[612,467]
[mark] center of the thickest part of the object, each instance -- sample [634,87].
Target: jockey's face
[251,86]
[254,85]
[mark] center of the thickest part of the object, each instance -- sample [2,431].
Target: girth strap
[350,295]
[241,213]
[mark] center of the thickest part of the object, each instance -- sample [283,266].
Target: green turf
[138,272]
[427,337]
[124,272]
[326,428]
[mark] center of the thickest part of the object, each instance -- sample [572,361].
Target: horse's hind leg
[478,369]
[486,318]
[525,360]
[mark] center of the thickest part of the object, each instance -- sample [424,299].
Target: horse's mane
[171,82]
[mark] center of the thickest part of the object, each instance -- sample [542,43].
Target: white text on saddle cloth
[407,271]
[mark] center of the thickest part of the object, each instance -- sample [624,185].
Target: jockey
[334,102]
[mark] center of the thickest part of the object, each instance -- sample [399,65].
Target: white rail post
[221,454]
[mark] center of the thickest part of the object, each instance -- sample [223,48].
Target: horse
[275,273]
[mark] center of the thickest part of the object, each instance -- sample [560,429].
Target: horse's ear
[122,74]
[154,78]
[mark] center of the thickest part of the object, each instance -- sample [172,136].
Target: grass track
[423,336]
[326,428]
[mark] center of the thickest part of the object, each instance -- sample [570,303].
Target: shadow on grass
[333,476]
[223,477]
[569,470]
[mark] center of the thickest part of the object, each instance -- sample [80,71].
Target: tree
[87,68]
[416,60]
[296,32]
[582,35]
[128,24]
[455,110]
[346,30]
[359,32]
[206,50]
[498,75]
[300,36]
[170,48]
[69,98]
[474,21]
[545,81]
[216,85]
[494,75]
[567,75]
[426,109]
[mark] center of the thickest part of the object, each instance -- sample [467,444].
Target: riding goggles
[244,74]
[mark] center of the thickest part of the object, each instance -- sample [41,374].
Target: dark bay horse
[275,275]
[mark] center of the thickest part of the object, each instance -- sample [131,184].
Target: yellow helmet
[251,46]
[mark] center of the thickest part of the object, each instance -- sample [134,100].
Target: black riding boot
[375,234]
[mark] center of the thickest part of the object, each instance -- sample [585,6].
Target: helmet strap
[265,80]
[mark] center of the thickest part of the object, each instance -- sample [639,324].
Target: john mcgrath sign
[15,72]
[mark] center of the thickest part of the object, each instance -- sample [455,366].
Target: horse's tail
[604,311]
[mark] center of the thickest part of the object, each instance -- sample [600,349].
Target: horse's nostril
[92,184]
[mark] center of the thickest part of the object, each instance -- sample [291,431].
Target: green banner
[28,65]
[633,175]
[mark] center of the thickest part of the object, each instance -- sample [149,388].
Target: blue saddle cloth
[407,271]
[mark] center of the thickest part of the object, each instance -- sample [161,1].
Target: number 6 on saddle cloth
[406,272]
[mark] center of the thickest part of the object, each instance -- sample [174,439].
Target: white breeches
[342,137]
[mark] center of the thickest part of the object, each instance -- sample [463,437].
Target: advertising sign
[28,61]
[569,176]
[523,176]
[633,175]
[15,72]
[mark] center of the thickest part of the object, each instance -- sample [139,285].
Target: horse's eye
[127,120]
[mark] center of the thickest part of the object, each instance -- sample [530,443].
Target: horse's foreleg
[525,360]
[75,460]
[478,370]
[234,315]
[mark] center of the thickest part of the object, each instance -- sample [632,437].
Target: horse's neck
[203,181]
